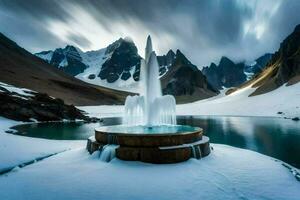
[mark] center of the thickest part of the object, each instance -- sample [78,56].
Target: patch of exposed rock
[36,106]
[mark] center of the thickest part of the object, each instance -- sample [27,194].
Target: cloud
[203,30]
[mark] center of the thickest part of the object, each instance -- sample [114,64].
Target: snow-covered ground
[285,99]
[228,173]
[15,150]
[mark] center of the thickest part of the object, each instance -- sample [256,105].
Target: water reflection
[279,138]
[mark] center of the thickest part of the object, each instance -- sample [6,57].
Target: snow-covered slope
[285,99]
[95,60]
[45,55]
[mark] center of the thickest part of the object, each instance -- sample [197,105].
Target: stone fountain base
[153,148]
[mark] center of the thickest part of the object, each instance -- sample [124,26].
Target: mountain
[165,62]
[123,61]
[118,66]
[113,66]
[185,81]
[20,68]
[227,74]
[258,65]
[68,59]
[283,68]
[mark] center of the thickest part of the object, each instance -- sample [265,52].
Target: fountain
[150,108]
[149,132]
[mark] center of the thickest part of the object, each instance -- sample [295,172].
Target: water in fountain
[108,152]
[196,152]
[150,108]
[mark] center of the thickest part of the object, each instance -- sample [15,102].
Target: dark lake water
[276,137]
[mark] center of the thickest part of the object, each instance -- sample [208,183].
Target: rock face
[36,106]
[185,81]
[226,74]
[259,64]
[20,68]
[119,61]
[68,59]
[123,62]
[165,62]
[284,67]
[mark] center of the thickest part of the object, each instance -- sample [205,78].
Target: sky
[204,30]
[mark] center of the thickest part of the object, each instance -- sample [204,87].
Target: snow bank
[15,150]
[285,99]
[228,173]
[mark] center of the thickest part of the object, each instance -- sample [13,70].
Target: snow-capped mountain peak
[116,66]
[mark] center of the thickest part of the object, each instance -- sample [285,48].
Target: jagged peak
[297,28]
[171,52]
[225,60]
[128,39]
[120,42]
[213,65]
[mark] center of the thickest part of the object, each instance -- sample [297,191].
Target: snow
[46,56]
[95,60]
[15,150]
[103,111]
[227,173]
[19,91]
[284,99]
[63,63]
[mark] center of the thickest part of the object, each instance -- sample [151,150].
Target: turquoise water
[148,130]
[276,137]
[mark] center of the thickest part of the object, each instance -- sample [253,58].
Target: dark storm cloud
[39,9]
[204,30]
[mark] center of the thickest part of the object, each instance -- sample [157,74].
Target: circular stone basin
[157,144]
[143,136]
